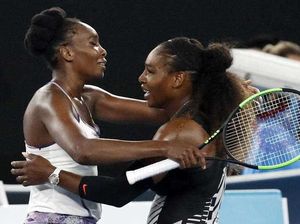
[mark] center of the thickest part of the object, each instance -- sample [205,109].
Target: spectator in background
[258,42]
[285,49]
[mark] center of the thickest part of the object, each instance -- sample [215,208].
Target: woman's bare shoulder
[185,129]
[92,89]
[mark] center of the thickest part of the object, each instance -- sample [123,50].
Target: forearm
[115,191]
[118,109]
[108,190]
[111,191]
[69,181]
[105,151]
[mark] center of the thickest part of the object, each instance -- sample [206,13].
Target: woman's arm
[55,112]
[112,191]
[117,109]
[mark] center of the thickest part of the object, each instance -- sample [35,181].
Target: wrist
[54,177]
[164,149]
[50,170]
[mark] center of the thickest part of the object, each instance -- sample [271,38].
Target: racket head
[264,131]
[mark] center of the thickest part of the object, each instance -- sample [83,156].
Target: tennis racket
[263,133]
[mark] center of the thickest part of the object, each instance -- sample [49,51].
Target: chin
[101,75]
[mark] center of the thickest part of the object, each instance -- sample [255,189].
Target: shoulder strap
[202,122]
[67,95]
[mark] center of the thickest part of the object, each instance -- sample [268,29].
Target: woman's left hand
[249,88]
[32,171]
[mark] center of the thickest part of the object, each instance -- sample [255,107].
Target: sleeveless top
[189,195]
[54,199]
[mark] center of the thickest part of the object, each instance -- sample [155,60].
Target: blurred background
[128,30]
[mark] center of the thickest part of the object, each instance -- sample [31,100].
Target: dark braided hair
[216,92]
[48,30]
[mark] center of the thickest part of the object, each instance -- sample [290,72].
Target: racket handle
[134,176]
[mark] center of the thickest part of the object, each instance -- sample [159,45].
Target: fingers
[192,158]
[17,172]
[18,164]
[182,163]
[202,160]
[25,183]
[188,159]
[247,82]
[21,179]
[249,87]
[29,156]
[186,155]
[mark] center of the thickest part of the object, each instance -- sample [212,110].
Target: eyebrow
[148,65]
[94,36]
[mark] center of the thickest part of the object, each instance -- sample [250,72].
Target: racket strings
[265,132]
[277,158]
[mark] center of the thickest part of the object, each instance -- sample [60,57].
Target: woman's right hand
[32,171]
[186,155]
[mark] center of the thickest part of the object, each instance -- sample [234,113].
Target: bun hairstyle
[190,55]
[216,58]
[216,92]
[48,29]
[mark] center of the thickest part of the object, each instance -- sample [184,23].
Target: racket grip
[134,176]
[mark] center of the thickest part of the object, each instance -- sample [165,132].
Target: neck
[180,108]
[73,87]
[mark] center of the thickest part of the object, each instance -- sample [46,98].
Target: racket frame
[241,105]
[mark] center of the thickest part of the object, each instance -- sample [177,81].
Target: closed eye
[93,43]
[149,70]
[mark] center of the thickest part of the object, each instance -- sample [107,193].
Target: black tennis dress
[183,196]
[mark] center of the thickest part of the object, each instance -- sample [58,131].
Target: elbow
[82,159]
[81,155]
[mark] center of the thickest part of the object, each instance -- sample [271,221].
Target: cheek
[91,64]
[159,95]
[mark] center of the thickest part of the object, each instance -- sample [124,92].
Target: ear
[178,80]
[66,53]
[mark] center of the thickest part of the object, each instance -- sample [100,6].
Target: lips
[146,92]
[102,63]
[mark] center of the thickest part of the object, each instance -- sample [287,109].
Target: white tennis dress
[54,199]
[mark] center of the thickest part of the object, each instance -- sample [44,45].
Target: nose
[103,52]
[142,78]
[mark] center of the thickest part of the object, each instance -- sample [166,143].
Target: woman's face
[156,81]
[88,55]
